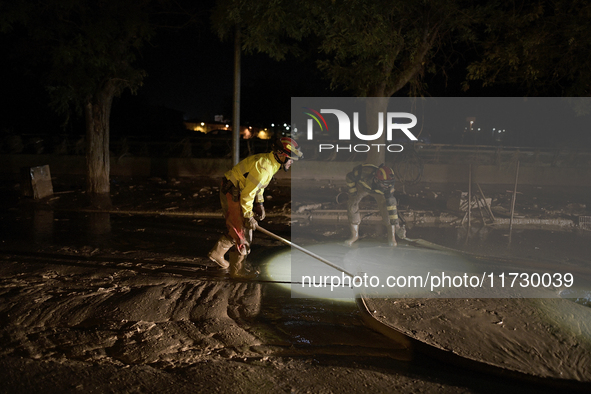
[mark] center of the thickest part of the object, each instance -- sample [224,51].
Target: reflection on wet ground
[481,248]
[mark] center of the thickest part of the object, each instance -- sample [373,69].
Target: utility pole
[236,114]
[513,202]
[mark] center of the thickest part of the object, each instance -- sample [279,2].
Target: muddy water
[138,290]
[543,244]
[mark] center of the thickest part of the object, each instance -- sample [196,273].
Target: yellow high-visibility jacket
[251,176]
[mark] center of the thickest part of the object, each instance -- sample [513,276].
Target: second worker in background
[378,182]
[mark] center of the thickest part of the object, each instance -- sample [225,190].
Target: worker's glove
[259,211]
[250,223]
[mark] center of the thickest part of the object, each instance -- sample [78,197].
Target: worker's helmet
[288,147]
[384,176]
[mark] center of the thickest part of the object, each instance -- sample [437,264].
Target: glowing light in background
[264,135]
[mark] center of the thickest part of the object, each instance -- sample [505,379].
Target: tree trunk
[376,103]
[97,113]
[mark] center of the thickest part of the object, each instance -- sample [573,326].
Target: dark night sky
[190,71]
[193,71]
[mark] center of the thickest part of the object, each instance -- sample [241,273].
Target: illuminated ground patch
[407,271]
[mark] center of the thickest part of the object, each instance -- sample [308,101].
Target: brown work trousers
[235,223]
[353,206]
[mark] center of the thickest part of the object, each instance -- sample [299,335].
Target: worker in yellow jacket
[241,196]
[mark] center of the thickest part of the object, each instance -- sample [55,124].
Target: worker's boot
[219,250]
[354,235]
[392,236]
[401,231]
[239,269]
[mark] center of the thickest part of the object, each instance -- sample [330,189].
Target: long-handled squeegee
[289,243]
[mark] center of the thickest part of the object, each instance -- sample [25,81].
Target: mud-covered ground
[114,301]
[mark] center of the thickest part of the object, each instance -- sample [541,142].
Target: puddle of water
[565,246]
[536,243]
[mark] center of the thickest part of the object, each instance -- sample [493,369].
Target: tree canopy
[370,47]
[543,46]
[376,47]
[84,46]
[87,51]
